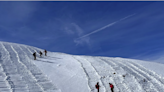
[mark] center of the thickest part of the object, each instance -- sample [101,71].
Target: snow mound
[60,72]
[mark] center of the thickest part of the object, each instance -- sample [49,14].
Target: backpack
[97,86]
[111,86]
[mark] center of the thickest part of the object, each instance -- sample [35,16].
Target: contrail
[127,17]
[100,29]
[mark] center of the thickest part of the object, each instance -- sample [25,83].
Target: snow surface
[60,72]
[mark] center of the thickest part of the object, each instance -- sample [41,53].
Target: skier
[112,87]
[97,86]
[34,54]
[45,52]
[40,53]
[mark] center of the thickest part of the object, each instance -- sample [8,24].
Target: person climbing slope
[112,87]
[97,86]
[34,54]
[40,53]
[45,52]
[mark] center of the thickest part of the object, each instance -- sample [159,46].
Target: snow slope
[59,72]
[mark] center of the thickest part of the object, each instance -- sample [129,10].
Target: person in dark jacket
[97,86]
[111,86]
[34,54]
[45,52]
[40,53]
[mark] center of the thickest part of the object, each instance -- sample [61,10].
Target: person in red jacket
[97,86]
[112,87]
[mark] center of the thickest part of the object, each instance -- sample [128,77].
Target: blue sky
[114,29]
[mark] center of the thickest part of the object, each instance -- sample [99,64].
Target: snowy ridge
[59,72]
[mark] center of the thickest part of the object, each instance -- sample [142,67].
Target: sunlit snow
[60,72]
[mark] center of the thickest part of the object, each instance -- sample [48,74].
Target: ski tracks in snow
[91,74]
[151,84]
[155,79]
[107,76]
[4,83]
[19,74]
[128,77]
[13,77]
[41,79]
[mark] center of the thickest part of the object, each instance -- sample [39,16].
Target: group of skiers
[34,54]
[98,86]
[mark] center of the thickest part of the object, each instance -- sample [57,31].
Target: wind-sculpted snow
[59,72]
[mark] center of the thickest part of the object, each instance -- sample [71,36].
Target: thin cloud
[69,31]
[79,32]
[78,29]
[106,26]
[82,41]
